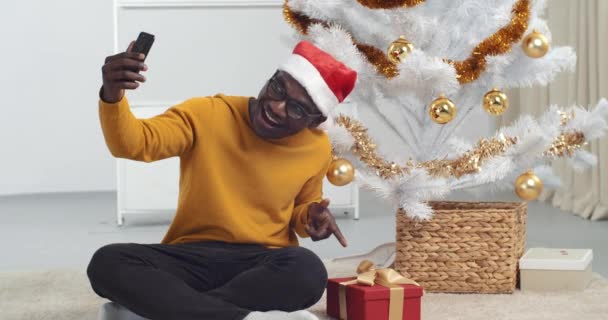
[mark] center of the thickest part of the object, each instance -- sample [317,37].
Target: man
[251,173]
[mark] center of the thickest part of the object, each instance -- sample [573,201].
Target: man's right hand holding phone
[120,72]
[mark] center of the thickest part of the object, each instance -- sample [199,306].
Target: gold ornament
[341,172]
[535,45]
[442,110]
[399,50]
[528,186]
[495,102]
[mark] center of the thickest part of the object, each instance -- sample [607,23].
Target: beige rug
[66,295]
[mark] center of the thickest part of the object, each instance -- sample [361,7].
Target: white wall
[50,62]
[51,57]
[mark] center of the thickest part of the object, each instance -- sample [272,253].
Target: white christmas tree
[426,62]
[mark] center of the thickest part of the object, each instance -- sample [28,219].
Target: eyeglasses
[276,91]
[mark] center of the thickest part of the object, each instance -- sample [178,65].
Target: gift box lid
[556,259]
[379,292]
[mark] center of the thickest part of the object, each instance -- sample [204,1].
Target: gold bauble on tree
[528,186]
[399,50]
[535,45]
[442,110]
[495,102]
[341,172]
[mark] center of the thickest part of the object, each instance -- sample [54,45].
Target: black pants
[206,280]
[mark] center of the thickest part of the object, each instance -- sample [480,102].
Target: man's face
[283,108]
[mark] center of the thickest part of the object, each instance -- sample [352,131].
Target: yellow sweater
[234,186]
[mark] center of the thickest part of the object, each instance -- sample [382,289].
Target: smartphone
[143,43]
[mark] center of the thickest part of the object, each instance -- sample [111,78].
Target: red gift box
[371,302]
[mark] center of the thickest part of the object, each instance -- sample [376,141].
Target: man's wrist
[109,100]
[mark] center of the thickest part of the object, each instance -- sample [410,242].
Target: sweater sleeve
[166,135]
[312,191]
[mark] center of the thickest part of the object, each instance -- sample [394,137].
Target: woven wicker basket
[469,247]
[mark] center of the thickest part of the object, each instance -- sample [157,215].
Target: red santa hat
[327,80]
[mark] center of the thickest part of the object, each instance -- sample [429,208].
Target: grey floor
[46,231]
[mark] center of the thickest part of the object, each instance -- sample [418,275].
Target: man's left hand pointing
[322,224]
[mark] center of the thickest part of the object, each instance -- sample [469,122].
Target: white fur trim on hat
[310,78]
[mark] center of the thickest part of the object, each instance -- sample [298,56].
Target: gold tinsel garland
[365,149]
[467,70]
[389,4]
[468,163]
[565,116]
[471,161]
[566,144]
[299,21]
[377,57]
[497,44]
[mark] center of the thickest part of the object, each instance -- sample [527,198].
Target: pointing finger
[340,236]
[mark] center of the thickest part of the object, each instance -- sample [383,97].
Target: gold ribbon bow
[368,275]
